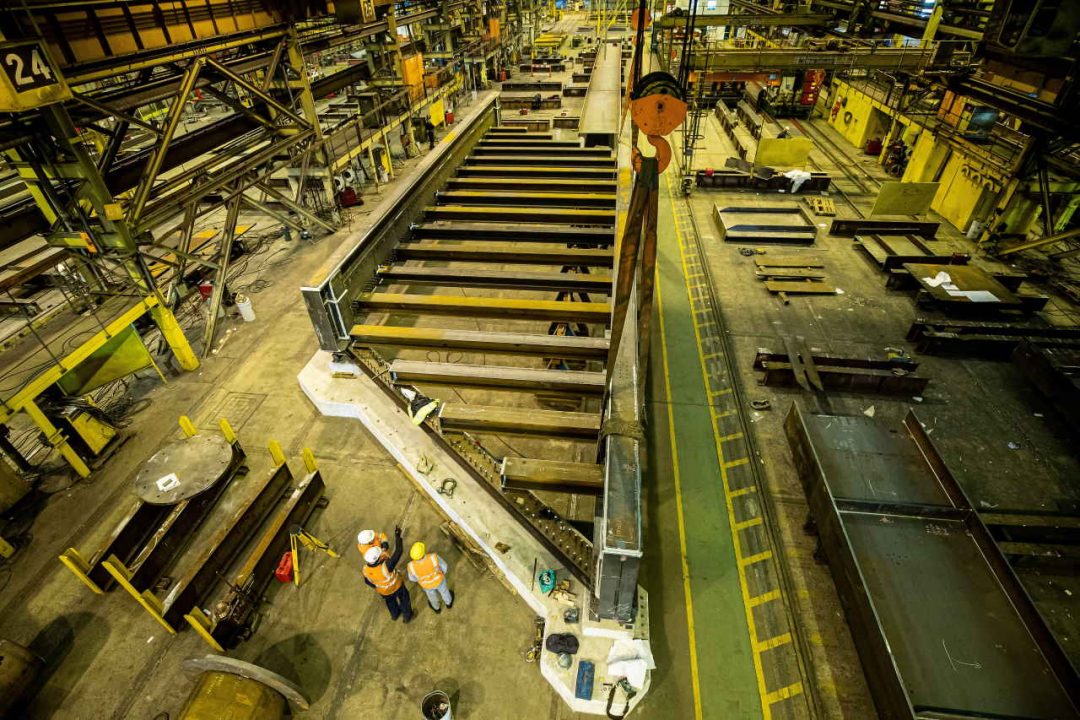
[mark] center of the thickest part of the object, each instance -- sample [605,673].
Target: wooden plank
[517,420]
[553,346]
[534,474]
[506,308]
[495,278]
[800,288]
[574,381]
[807,261]
[505,253]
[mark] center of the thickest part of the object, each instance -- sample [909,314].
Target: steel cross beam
[757,59]
[745,20]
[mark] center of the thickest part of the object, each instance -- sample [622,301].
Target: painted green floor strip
[728,685]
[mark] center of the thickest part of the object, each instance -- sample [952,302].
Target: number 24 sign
[29,78]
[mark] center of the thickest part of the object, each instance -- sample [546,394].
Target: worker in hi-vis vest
[369,538]
[429,570]
[380,573]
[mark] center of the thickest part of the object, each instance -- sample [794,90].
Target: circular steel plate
[183,469]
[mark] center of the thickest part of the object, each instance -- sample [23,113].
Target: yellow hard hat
[417,551]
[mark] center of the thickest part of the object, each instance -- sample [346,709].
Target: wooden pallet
[821,205]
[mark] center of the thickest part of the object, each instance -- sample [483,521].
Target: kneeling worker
[380,574]
[429,570]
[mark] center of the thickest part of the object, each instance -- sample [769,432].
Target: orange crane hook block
[657,107]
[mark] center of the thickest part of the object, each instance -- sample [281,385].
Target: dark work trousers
[399,604]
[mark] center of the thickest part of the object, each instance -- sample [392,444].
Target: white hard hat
[366,537]
[371,557]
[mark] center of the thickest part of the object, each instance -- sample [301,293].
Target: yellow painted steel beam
[24,397]
[1038,242]
[76,563]
[55,438]
[78,76]
[378,137]
[147,599]
[507,308]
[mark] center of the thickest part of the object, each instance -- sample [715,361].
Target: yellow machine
[234,689]
[89,432]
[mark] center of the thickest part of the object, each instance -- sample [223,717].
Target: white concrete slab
[479,515]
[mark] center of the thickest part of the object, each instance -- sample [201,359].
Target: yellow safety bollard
[277,453]
[309,460]
[226,430]
[187,426]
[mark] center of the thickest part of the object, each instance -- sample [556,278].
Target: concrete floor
[109,658]
[973,408]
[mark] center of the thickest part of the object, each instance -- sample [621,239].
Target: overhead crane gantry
[109,208]
[750,19]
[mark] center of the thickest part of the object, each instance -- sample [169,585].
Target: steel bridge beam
[745,20]
[761,59]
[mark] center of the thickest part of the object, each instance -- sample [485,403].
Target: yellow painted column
[932,25]
[174,335]
[56,438]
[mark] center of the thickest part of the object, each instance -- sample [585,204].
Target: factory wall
[968,188]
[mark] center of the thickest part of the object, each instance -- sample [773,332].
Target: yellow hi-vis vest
[427,572]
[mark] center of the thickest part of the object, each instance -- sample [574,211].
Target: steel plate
[183,468]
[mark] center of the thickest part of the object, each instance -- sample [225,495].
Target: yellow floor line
[764,598]
[766,710]
[742,491]
[774,642]
[736,463]
[752,522]
[759,557]
[732,436]
[784,693]
[694,681]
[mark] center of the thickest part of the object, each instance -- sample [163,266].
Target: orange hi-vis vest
[380,538]
[385,580]
[427,572]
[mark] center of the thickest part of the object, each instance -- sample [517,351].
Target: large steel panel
[942,625]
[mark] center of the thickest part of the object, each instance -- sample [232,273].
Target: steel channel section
[244,584]
[330,295]
[129,537]
[851,228]
[476,463]
[175,533]
[942,625]
[599,122]
[224,543]
[750,60]
[618,542]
